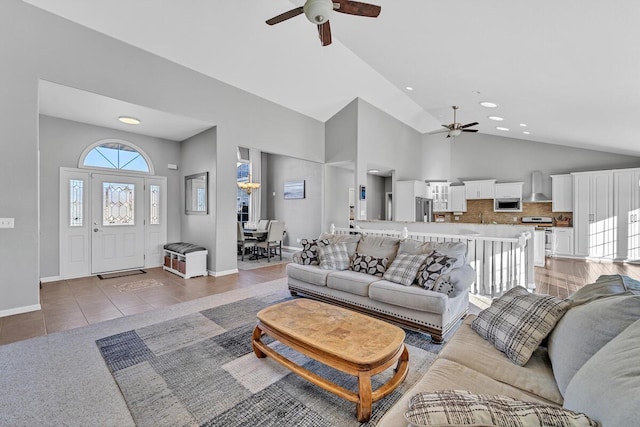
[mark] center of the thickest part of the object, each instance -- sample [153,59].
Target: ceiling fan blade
[324,31]
[469,125]
[357,8]
[439,131]
[446,126]
[469,130]
[284,16]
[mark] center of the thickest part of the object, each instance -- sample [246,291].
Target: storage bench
[185,259]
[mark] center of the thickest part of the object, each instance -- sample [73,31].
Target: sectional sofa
[435,310]
[589,363]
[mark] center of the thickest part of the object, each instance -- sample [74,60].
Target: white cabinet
[593,222]
[405,199]
[480,189]
[439,192]
[562,193]
[562,241]
[627,211]
[508,190]
[457,198]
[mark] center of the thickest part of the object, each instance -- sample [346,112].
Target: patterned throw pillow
[404,268]
[434,266]
[334,257]
[309,253]
[459,408]
[369,264]
[443,286]
[518,321]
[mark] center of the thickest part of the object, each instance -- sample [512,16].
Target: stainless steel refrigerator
[424,209]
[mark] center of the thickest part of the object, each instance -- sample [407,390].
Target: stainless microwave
[507,205]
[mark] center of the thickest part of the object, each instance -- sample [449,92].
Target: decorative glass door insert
[118,203]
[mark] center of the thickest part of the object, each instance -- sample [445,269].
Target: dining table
[259,235]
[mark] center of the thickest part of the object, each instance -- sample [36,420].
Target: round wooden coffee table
[351,342]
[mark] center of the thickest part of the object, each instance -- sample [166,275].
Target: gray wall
[342,135]
[61,144]
[338,181]
[302,217]
[44,46]
[198,155]
[508,159]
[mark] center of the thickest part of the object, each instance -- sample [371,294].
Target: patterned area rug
[137,285]
[200,369]
[249,264]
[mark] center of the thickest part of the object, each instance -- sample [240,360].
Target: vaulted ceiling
[568,70]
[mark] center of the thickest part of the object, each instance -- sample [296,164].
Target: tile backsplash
[479,211]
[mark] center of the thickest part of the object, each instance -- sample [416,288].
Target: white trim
[50,279]
[117,141]
[20,310]
[222,273]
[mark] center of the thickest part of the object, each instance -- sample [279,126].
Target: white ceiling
[568,69]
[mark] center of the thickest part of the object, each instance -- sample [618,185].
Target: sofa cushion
[443,286]
[309,253]
[457,250]
[604,286]
[308,273]
[607,387]
[369,264]
[463,408]
[413,297]
[334,257]
[518,321]
[352,282]
[404,268]
[470,349]
[379,247]
[435,265]
[587,328]
[350,239]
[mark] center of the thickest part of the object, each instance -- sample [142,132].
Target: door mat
[137,285]
[120,274]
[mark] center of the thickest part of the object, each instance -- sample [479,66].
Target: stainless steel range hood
[536,189]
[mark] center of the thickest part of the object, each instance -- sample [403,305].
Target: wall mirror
[196,189]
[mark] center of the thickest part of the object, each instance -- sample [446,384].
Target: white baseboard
[50,279]
[20,310]
[222,273]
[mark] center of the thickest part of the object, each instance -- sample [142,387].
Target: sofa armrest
[461,278]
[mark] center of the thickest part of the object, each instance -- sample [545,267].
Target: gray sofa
[588,364]
[410,306]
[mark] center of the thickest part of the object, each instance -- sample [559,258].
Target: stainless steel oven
[543,223]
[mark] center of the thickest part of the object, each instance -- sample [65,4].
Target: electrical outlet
[456,218]
[298,240]
[7,222]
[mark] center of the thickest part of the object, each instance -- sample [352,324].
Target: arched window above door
[116,155]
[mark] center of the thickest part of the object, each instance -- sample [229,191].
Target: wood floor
[69,304]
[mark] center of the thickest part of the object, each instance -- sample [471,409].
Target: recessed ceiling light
[526,132]
[502,128]
[409,88]
[129,120]
[374,170]
[524,125]
[496,118]
[488,104]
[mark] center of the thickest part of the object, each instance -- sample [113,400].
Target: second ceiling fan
[319,11]
[454,129]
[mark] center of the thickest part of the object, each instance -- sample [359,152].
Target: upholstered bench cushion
[184,248]
[351,281]
[308,273]
[413,297]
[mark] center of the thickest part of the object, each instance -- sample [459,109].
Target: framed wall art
[294,190]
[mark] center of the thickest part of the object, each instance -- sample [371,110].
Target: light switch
[7,222]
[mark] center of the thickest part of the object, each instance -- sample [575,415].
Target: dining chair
[273,241]
[243,243]
[263,224]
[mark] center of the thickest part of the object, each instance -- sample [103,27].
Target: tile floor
[68,304]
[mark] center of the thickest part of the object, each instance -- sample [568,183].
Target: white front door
[117,223]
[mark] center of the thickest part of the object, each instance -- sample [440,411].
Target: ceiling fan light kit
[318,11]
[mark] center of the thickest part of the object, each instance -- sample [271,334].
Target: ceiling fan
[454,129]
[319,11]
